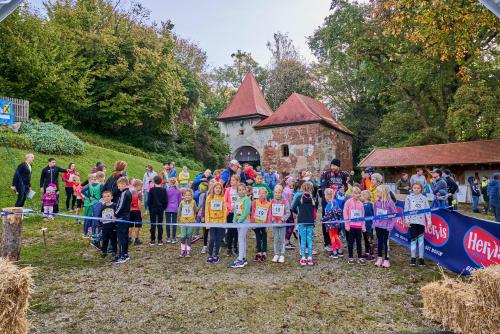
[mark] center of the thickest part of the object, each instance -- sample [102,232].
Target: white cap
[234,162]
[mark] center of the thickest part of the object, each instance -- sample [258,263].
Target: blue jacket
[494,191]
[270,180]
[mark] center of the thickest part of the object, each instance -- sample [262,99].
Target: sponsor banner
[6,112]
[457,242]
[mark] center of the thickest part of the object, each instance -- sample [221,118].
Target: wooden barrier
[12,235]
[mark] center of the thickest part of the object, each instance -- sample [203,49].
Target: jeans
[353,235]
[242,243]
[156,216]
[146,194]
[231,234]
[261,238]
[108,235]
[279,240]
[306,239]
[122,235]
[70,197]
[186,235]
[171,218]
[475,203]
[496,210]
[382,242]
[216,234]
[87,224]
[368,237]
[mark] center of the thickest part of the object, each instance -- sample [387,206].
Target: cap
[369,170]
[335,162]
[235,162]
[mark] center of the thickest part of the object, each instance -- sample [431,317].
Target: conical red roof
[300,109]
[247,102]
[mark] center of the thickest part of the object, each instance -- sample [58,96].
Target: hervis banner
[457,242]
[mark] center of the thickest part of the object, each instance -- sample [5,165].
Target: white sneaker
[328,248]
[204,250]
[281,259]
[276,258]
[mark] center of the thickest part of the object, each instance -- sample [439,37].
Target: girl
[333,212]
[261,215]
[288,195]
[368,235]
[417,201]
[77,191]
[49,200]
[259,183]
[184,178]
[187,214]
[280,212]
[242,208]
[230,197]
[174,197]
[68,186]
[383,227]
[215,212]
[136,213]
[305,207]
[353,208]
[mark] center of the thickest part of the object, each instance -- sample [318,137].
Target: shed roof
[247,102]
[300,109]
[463,153]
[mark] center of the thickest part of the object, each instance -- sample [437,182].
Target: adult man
[439,188]
[232,169]
[484,192]
[494,195]
[21,182]
[403,185]
[419,177]
[333,179]
[50,175]
[452,186]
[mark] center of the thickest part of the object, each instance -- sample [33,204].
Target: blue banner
[6,112]
[457,242]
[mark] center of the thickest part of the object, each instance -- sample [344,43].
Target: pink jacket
[353,208]
[229,200]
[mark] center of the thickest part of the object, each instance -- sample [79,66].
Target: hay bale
[487,283]
[15,289]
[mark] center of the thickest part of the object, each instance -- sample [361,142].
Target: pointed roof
[300,109]
[247,102]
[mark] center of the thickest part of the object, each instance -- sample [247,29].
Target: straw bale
[487,283]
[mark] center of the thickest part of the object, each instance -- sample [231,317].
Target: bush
[52,138]
[16,140]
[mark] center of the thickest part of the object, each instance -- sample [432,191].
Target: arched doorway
[248,154]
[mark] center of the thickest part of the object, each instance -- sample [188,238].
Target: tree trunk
[12,235]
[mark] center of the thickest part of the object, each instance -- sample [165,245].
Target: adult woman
[68,186]
[147,183]
[118,171]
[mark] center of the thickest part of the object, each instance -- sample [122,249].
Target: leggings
[354,235]
[382,241]
[232,234]
[261,237]
[205,236]
[417,240]
[171,218]
[306,239]
[216,234]
[70,197]
[290,229]
[156,216]
[334,238]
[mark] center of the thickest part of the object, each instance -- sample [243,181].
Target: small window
[285,150]
[242,132]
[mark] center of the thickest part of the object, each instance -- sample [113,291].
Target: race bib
[255,192]
[238,208]
[187,211]
[278,210]
[356,214]
[108,214]
[261,213]
[216,205]
[381,212]
[234,196]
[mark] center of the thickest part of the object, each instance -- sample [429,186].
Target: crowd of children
[114,210]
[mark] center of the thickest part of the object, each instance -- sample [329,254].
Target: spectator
[270,178]
[21,182]
[494,195]
[439,188]
[403,185]
[226,175]
[484,192]
[50,175]
[452,187]
[111,183]
[68,186]
[173,170]
[419,177]
[476,193]
[366,176]
[165,174]
[148,183]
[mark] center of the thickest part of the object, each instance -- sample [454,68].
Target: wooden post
[12,235]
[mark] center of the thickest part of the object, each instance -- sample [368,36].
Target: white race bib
[238,208]
[381,212]
[255,192]
[356,214]
[234,196]
[261,213]
[216,205]
[187,211]
[278,210]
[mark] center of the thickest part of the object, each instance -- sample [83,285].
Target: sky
[220,27]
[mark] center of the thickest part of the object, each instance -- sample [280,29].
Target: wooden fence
[21,108]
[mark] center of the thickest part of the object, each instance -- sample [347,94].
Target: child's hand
[347,229]
[364,230]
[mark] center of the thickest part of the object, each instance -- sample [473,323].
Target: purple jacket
[174,197]
[384,208]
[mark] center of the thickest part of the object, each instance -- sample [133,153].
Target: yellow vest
[261,212]
[215,209]
[187,212]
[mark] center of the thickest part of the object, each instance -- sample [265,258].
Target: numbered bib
[255,192]
[216,205]
[278,210]
[381,212]
[234,196]
[238,208]
[187,211]
[356,214]
[261,213]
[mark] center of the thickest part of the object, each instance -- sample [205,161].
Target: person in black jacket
[50,175]
[21,182]
[111,182]
[451,185]
[157,204]
[123,212]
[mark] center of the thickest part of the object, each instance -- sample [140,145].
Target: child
[417,201]
[249,192]
[49,200]
[157,204]
[92,196]
[200,214]
[333,212]
[353,208]
[383,227]
[288,195]
[261,215]
[230,197]
[242,209]
[280,212]
[305,207]
[174,197]
[259,183]
[187,214]
[215,212]
[368,235]
[77,192]
[136,213]
[184,178]
[123,212]
[108,209]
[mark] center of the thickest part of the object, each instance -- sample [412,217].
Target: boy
[123,212]
[157,204]
[108,227]
[136,213]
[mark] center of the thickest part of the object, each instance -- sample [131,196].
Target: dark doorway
[248,154]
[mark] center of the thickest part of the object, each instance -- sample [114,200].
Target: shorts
[135,216]
[79,203]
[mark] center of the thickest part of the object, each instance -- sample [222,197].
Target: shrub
[16,140]
[52,138]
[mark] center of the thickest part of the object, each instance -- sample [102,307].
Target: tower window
[285,151]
